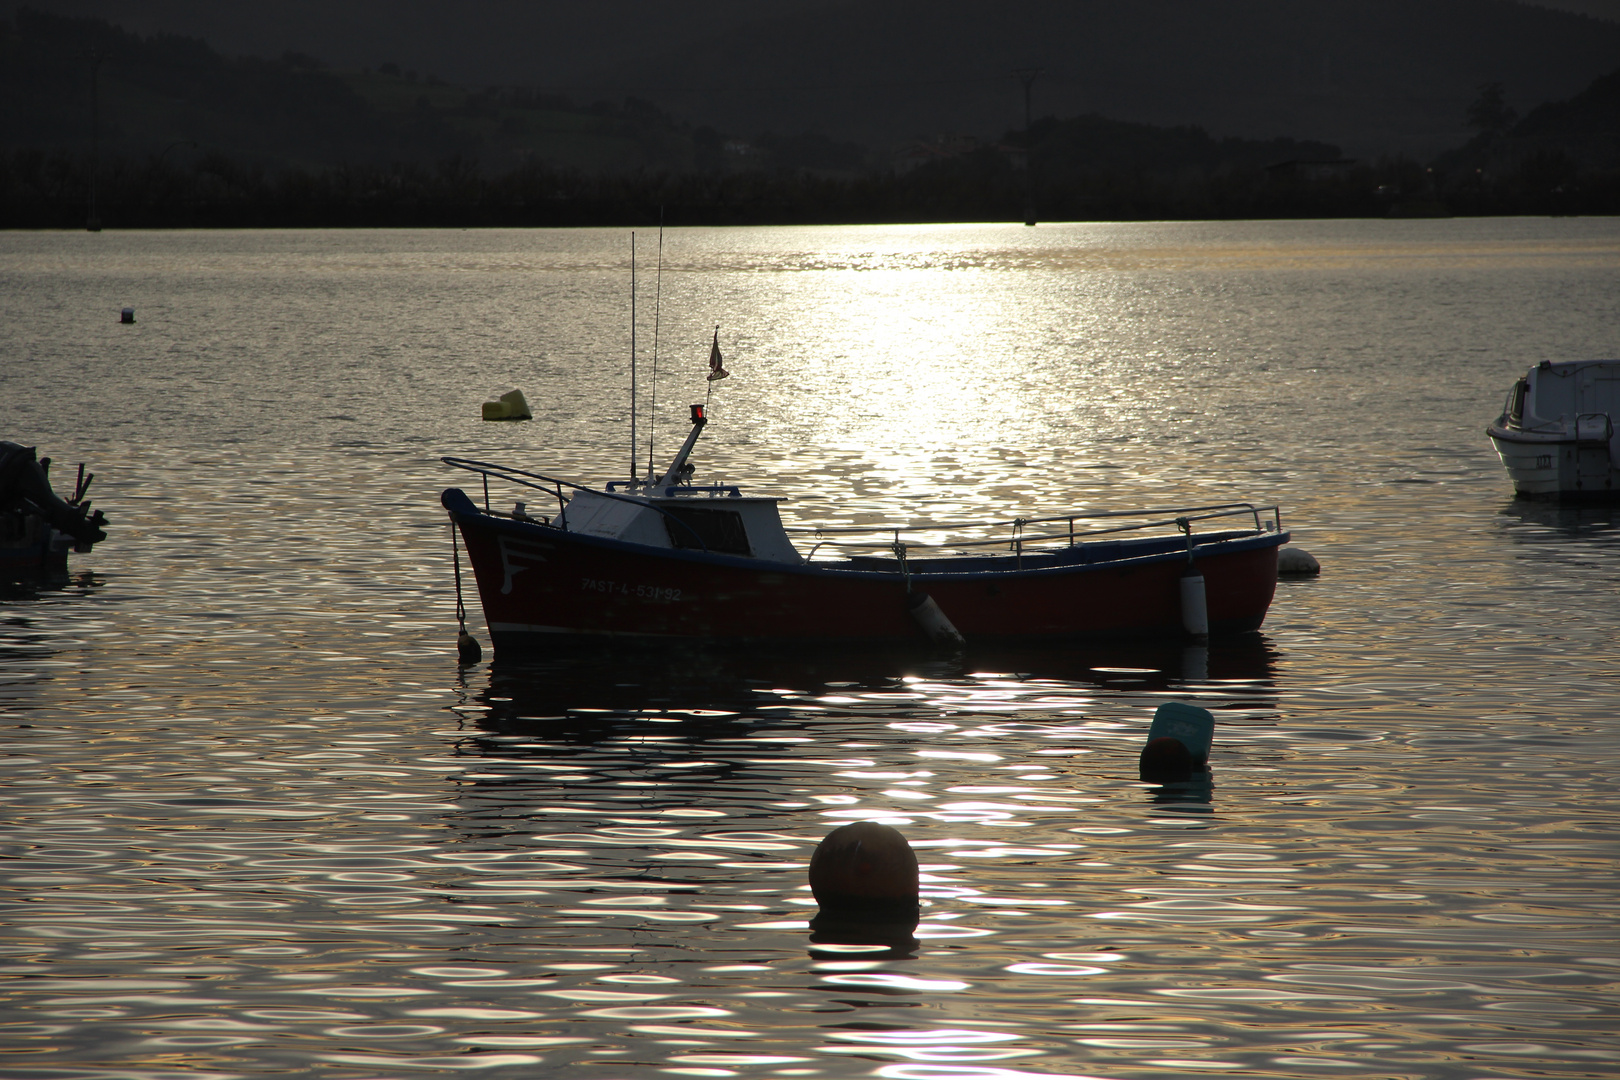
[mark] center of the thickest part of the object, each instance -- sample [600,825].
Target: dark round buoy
[467,648]
[1296,562]
[865,870]
[1165,760]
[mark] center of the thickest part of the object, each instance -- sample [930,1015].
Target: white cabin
[1581,399]
[1559,432]
[719,519]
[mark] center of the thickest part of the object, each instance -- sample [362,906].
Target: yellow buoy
[509,406]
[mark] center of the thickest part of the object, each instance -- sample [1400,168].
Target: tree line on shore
[53,190]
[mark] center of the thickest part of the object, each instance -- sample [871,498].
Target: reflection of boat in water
[661,557]
[1557,435]
[582,692]
[37,527]
[1549,520]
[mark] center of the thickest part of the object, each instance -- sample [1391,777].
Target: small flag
[715,370]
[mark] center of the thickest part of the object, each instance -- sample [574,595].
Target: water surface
[257,821]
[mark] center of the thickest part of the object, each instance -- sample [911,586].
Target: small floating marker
[1297,562]
[467,648]
[1178,742]
[1165,760]
[509,406]
[127,315]
[865,871]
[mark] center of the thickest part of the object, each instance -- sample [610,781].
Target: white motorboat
[1558,435]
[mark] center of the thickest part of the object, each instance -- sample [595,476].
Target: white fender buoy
[510,406]
[939,629]
[1195,662]
[1194,607]
[1296,562]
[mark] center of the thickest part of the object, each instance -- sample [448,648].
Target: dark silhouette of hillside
[167,92]
[1586,127]
[1373,76]
[1559,158]
[166,89]
[190,138]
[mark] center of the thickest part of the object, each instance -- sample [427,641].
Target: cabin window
[720,530]
[1515,409]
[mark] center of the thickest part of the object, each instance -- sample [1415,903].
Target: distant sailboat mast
[633,445]
[658,307]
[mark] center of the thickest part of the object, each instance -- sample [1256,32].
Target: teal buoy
[1178,742]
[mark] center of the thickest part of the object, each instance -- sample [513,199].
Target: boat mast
[632,357]
[673,477]
[658,307]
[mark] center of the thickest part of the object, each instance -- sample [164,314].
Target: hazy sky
[504,40]
[1603,9]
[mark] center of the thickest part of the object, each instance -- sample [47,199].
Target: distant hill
[190,137]
[169,91]
[1372,76]
[1562,151]
[167,95]
[1587,126]
[1089,167]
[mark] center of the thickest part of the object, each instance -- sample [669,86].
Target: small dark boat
[665,558]
[37,527]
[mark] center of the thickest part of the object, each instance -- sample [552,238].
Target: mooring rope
[455,558]
[467,647]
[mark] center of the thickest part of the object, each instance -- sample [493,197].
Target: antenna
[658,307]
[632,355]
[1028,76]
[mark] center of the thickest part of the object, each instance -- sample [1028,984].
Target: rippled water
[257,822]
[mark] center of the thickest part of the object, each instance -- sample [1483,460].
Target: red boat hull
[537,581]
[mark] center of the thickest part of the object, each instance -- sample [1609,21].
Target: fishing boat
[663,557]
[37,527]
[1557,435]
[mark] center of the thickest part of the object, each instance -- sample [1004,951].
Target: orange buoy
[865,870]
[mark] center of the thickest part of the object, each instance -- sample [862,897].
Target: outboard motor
[25,488]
